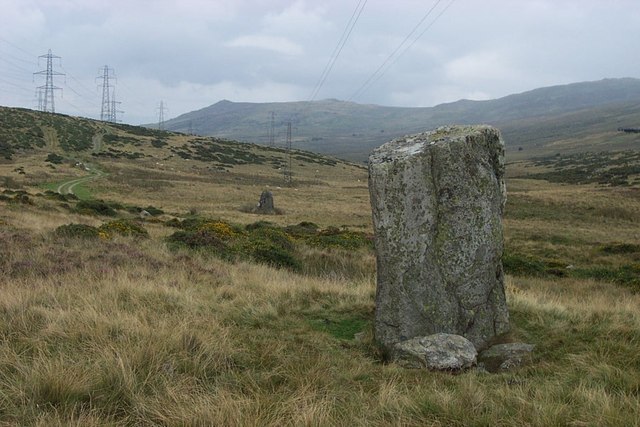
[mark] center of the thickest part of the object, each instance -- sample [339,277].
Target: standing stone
[265,205]
[437,200]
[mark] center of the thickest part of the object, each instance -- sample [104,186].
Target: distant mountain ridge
[351,131]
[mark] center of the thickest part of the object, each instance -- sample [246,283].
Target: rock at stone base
[502,357]
[438,352]
[265,205]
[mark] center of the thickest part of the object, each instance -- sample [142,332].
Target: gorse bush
[123,227]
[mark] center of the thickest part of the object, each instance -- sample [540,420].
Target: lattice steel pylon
[272,130]
[161,110]
[106,113]
[288,175]
[113,117]
[46,99]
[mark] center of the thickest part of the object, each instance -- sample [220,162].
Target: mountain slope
[351,130]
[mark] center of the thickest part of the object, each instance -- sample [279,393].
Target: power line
[14,65]
[82,86]
[379,72]
[29,54]
[414,41]
[338,49]
[15,85]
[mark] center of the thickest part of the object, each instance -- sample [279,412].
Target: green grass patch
[526,265]
[627,275]
[341,328]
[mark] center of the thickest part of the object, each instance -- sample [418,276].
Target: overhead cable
[339,46]
[393,56]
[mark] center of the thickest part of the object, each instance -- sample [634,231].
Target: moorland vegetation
[201,313]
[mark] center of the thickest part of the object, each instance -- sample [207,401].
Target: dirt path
[68,186]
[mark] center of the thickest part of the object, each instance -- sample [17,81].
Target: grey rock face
[501,357]
[441,352]
[437,200]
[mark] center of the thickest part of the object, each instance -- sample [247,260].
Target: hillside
[138,163]
[155,295]
[530,120]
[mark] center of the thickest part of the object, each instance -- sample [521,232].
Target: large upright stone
[437,200]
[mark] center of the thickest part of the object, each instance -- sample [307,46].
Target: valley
[205,313]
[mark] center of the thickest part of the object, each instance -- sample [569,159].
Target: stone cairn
[437,200]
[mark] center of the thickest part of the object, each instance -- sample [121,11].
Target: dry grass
[126,332]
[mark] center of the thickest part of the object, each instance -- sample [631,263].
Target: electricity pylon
[288,178]
[46,102]
[105,112]
[161,110]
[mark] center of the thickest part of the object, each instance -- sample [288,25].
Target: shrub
[54,158]
[303,228]
[219,228]
[77,231]
[270,245]
[95,207]
[123,227]
[620,248]
[153,210]
[337,238]
[273,235]
[274,255]
[201,240]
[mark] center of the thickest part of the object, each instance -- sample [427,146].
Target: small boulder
[439,352]
[502,357]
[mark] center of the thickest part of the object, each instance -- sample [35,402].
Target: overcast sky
[194,53]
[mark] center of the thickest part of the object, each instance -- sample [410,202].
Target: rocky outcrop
[437,200]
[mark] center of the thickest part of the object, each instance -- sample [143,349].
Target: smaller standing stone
[438,352]
[265,205]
